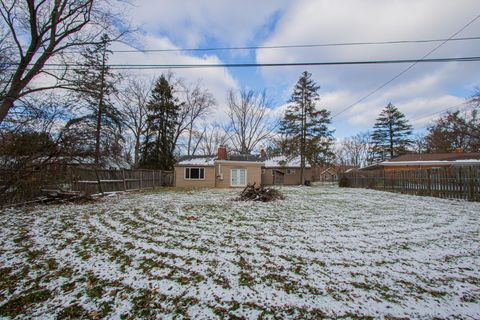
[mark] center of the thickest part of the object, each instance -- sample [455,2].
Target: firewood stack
[259,193]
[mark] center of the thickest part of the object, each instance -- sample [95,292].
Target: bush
[343,182]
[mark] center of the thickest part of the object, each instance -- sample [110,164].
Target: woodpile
[260,193]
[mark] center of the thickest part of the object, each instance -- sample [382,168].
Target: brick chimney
[458,150]
[222,152]
[263,153]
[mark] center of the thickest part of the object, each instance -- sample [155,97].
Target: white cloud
[422,90]
[192,22]
[218,81]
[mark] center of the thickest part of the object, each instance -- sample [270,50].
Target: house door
[278,177]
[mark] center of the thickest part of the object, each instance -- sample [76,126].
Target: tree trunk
[189,139]
[391,140]
[6,105]
[136,157]
[302,142]
[100,106]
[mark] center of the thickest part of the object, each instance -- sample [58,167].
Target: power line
[406,69]
[438,112]
[334,44]
[60,66]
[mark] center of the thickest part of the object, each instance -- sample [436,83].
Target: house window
[238,177]
[194,173]
[290,171]
[264,171]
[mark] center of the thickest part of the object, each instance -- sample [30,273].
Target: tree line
[392,135]
[49,110]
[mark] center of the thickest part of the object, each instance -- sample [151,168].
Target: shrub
[343,182]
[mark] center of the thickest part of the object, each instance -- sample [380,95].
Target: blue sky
[425,89]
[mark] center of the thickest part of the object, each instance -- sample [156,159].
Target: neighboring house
[283,171]
[329,174]
[230,171]
[415,161]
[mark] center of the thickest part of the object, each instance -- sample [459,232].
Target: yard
[322,252]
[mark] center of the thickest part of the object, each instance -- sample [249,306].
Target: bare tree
[419,143]
[198,102]
[249,119]
[133,100]
[211,136]
[43,31]
[354,150]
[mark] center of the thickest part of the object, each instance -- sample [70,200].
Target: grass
[184,253]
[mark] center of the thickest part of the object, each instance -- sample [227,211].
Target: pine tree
[162,119]
[391,134]
[306,128]
[95,84]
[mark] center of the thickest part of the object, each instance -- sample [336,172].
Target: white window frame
[189,168]
[238,176]
[290,171]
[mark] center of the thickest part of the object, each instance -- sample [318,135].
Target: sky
[421,93]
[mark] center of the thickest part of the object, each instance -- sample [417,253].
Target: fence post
[98,181]
[471,184]
[153,181]
[124,181]
[383,173]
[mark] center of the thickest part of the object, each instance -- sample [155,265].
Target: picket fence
[29,185]
[451,183]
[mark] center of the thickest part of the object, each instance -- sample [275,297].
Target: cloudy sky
[423,90]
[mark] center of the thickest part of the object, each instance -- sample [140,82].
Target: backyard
[174,253]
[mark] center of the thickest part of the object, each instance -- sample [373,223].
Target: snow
[282,161]
[200,161]
[432,163]
[323,252]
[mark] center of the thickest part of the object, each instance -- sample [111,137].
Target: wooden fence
[452,183]
[92,181]
[28,185]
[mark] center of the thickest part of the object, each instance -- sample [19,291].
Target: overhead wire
[406,69]
[61,66]
[293,46]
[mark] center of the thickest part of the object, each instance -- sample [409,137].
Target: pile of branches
[259,193]
[60,197]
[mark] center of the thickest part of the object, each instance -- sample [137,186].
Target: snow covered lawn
[323,251]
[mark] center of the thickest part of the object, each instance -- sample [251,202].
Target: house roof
[244,157]
[329,170]
[210,160]
[452,156]
[430,159]
[462,162]
[196,161]
[284,162]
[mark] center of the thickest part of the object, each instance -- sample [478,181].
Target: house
[283,171]
[416,161]
[220,171]
[328,175]
[236,170]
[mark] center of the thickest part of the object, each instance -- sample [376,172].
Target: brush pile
[260,193]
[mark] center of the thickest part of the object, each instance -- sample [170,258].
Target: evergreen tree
[162,119]
[101,127]
[391,134]
[306,128]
